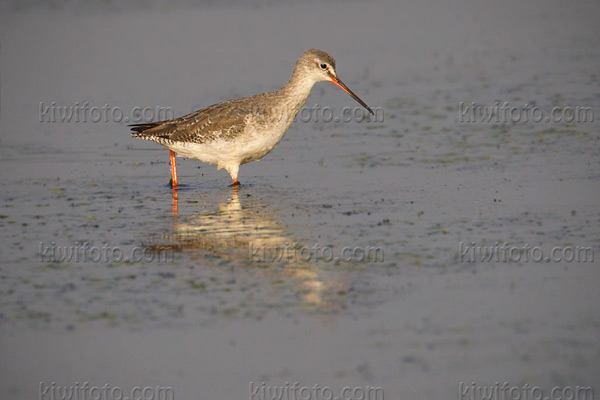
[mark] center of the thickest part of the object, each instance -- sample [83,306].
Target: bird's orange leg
[173,170]
[233,171]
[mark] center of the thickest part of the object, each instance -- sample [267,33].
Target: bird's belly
[260,144]
[252,145]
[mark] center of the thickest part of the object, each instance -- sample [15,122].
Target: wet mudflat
[109,276]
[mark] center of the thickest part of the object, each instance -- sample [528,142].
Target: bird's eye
[323,66]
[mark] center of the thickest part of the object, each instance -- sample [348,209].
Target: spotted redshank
[238,131]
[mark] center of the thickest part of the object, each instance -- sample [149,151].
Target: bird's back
[220,122]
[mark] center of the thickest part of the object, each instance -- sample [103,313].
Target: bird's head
[318,66]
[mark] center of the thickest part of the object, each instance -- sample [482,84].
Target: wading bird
[238,131]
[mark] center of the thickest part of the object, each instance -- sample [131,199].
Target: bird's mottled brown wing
[223,121]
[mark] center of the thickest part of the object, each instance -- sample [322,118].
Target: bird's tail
[137,130]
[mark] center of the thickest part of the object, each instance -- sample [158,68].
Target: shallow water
[236,299]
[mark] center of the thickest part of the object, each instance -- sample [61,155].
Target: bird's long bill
[346,89]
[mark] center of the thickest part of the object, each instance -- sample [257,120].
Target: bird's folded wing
[224,121]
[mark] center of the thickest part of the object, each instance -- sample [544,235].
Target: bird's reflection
[239,230]
[175,201]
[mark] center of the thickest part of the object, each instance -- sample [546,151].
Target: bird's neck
[296,91]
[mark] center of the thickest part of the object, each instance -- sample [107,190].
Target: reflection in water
[175,202]
[221,230]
